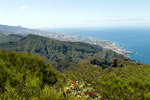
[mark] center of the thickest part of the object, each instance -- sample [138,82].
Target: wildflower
[75,86]
[66,88]
[89,93]
[61,87]
[73,81]
[84,90]
[80,89]
[89,85]
[94,94]
[78,96]
[81,86]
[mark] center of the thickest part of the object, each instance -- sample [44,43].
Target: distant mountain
[56,35]
[1,34]
[17,30]
[9,38]
[62,54]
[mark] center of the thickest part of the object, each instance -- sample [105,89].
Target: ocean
[134,39]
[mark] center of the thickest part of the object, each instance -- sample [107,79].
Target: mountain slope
[7,30]
[52,50]
[9,38]
[16,30]
[61,54]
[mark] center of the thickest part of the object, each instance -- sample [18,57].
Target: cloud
[23,6]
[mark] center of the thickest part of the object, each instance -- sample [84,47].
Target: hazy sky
[75,13]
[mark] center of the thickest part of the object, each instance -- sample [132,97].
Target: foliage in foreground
[23,75]
[128,83]
[80,90]
[131,82]
[27,77]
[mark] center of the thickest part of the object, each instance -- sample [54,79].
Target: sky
[75,13]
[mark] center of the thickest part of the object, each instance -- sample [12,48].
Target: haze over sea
[134,39]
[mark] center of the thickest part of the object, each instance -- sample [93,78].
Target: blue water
[135,39]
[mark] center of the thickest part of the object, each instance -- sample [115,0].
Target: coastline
[123,37]
[105,44]
[118,49]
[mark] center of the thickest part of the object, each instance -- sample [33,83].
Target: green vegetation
[128,83]
[22,75]
[27,77]
[85,72]
[9,38]
[62,55]
[131,82]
